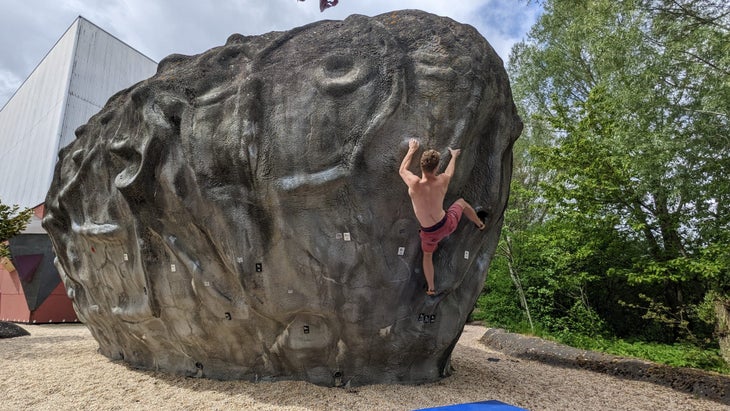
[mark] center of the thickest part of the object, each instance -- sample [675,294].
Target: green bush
[583,329]
[496,312]
[13,220]
[676,355]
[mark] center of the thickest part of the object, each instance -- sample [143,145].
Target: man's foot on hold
[482,215]
[431,293]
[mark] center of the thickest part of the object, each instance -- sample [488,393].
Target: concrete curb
[696,382]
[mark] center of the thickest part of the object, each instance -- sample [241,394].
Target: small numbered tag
[126,257]
[346,236]
[173,268]
[466,255]
[401,250]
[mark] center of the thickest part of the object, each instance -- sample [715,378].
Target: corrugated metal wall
[102,66]
[73,82]
[30,123]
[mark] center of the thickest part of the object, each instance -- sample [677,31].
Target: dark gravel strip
[700,383]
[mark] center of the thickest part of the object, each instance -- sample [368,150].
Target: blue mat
[492,405]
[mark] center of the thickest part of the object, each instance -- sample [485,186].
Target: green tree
[506,302]
[633,171]
[13,220]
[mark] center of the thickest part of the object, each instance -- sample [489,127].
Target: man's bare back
[427,196]
[427,192]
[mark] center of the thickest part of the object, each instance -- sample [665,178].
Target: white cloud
[9,82]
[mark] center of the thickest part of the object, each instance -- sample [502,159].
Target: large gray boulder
[240,215]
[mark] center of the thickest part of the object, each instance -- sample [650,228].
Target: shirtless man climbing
[427,196]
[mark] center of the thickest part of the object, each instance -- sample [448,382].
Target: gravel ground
[57,367]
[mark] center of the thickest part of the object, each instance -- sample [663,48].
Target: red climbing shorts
[430,236]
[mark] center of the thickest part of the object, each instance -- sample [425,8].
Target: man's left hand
[413,144]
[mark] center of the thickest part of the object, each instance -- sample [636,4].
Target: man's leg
[428,271]
[470,213]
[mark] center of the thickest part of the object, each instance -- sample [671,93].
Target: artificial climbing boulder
[239,215]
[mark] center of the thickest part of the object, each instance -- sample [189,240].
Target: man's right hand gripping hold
[427,196]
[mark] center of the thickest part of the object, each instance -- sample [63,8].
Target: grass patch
[676,355]
[498,312]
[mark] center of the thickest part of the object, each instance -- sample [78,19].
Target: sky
[158,28]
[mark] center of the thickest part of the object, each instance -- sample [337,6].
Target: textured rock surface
[10,330]
[240,213]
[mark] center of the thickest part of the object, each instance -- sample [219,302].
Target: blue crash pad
[492,405]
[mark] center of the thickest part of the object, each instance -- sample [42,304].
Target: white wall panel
[30,126]
[102,66]
[73,82]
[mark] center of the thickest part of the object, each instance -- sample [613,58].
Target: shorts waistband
[435,226]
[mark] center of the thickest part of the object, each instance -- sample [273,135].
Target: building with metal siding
[74,80]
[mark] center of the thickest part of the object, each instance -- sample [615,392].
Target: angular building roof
[73,81]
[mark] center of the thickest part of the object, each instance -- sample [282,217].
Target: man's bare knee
[464,205]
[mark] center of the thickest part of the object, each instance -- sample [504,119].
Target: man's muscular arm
[408,177]
[452,162]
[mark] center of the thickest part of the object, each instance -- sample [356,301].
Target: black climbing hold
[481,213]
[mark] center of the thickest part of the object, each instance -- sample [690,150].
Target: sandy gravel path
[57,368]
